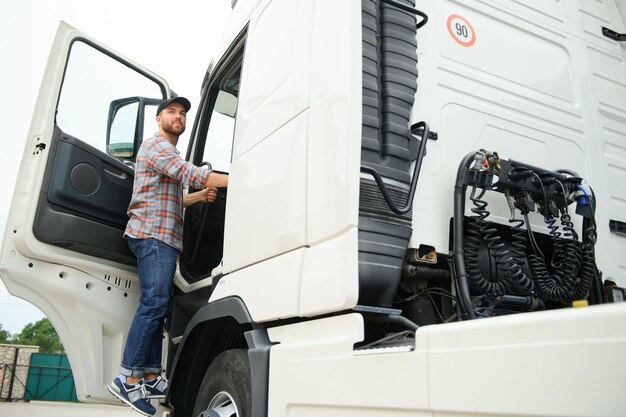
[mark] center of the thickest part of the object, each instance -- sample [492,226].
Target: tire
[226,389]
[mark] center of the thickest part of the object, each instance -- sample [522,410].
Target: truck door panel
[63,248]
[86,190]
[83,202]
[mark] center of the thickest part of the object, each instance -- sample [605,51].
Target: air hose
[562,285]
[507,260]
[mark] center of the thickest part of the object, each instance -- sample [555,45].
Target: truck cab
[424,213]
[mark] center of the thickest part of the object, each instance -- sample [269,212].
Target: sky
[175,40]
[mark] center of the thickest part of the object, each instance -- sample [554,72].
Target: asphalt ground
[63,409]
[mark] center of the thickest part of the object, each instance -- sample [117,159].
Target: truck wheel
[226,389]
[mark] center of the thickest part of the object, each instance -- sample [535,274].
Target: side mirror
[128,118]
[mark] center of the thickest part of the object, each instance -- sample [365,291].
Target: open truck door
[63,247]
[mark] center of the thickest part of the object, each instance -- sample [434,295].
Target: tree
[5,336]
[40,334]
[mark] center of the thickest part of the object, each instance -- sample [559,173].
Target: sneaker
[132,394]
[156,388]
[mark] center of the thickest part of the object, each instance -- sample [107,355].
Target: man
[154,233]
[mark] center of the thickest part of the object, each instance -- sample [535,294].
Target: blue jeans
[156,264]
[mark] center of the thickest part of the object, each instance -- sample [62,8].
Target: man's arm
[164,158]
[216,180]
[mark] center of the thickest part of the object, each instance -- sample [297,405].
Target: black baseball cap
[182,100]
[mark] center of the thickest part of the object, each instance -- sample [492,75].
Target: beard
[172,129]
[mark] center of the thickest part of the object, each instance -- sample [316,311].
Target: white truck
[452,244]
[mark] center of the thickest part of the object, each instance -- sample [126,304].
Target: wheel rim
[221,405]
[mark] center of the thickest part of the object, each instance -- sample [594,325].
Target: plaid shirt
[156,207]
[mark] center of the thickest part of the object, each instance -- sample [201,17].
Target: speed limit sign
[461,30]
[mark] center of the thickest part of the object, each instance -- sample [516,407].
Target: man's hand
[207,195]
[210,194]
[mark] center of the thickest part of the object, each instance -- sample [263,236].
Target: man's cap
[182,100]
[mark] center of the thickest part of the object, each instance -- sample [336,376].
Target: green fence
[50,378]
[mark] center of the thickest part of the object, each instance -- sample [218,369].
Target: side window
[220,127]
[97,88]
